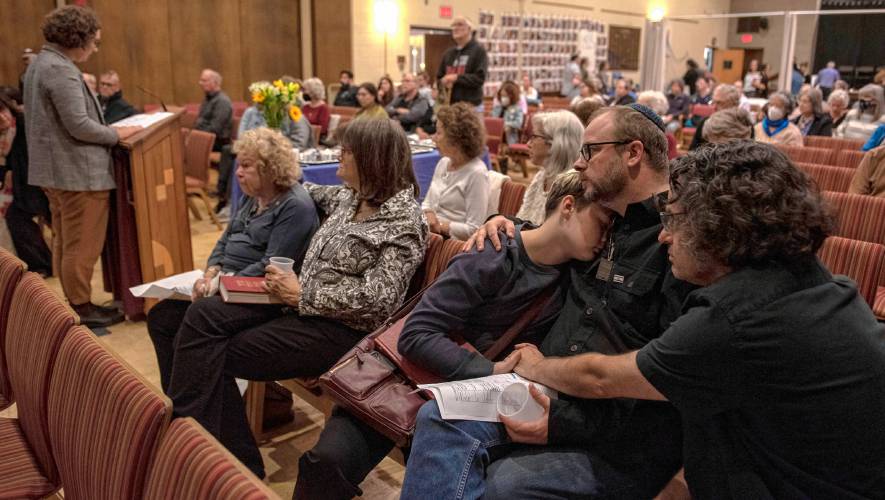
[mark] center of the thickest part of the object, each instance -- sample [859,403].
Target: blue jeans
[465,459]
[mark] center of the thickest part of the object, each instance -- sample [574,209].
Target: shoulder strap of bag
[527,317]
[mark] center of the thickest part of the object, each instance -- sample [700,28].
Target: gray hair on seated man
[655,100]
[727,125]
[726,96]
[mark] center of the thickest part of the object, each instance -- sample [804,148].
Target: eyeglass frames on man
[587,147]
[667,218]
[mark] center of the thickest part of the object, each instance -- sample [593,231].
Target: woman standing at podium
[69,146]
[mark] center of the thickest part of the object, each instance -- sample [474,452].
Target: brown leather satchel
[377,385]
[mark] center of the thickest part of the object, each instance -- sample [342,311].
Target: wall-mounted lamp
[386,21]
[656,12]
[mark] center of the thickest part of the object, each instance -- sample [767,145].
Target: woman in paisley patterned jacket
[355,274]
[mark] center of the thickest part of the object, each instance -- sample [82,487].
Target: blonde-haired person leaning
[457,202]
[554,147]
[728,125]
[276,218]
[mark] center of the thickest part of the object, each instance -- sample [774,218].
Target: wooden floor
[281,452]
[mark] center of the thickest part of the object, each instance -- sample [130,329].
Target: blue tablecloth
[423,163]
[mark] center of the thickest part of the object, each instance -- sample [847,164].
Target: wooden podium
[149,233]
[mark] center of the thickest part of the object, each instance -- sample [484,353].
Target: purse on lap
[377,385]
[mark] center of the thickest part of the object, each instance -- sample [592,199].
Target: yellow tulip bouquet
[276,100]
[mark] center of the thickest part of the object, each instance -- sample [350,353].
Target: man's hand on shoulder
[490,230]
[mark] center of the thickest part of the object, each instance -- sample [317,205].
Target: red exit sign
[445,11]
[747,38]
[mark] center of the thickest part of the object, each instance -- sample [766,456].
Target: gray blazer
[69,145]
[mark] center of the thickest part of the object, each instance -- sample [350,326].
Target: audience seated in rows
[478,295]
[580,448]
[315,108]
[409,108]
[554,147]
[457,200]
[355,274]
[509,107]
[216,112]
[775,128]
[812,120]
[277,218]
[867,114]
[759,420]
[367,98]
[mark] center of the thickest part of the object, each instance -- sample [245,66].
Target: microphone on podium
[148,92]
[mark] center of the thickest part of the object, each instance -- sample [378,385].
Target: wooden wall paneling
[332,39]
[205,34]
[136,44]
[270,37]
[19,28]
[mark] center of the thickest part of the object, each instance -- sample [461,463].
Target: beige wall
[688,39]
[771,41]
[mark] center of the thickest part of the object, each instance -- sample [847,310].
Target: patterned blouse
[358,272]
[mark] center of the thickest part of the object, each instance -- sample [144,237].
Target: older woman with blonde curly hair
[276,218]
[316,110]
[457,201]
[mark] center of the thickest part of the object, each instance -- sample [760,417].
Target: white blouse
[460,197]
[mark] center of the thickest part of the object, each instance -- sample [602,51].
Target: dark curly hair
[71,26]
[747,204]
[463,128]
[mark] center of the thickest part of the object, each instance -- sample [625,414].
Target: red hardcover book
[245,290]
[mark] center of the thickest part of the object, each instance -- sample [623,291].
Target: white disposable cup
[517,403]
[284,264]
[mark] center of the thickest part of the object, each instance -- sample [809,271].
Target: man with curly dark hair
[69,149]
[776,366]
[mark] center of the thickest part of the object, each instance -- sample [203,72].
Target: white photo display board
[538,45]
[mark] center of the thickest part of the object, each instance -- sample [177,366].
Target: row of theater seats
[87,422]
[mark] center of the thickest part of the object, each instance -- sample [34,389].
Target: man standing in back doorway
[464,66]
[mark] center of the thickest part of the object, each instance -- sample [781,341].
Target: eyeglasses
[667,218]
[545,138]
[587,147]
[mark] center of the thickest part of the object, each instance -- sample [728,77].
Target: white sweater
[459,197]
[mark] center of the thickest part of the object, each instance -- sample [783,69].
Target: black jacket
[822,125]
[27,198]
[471,65]
[347,97]
[116,108]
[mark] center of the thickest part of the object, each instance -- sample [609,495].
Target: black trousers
[225,170]
[219,342]
[28,240]
[347,451]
